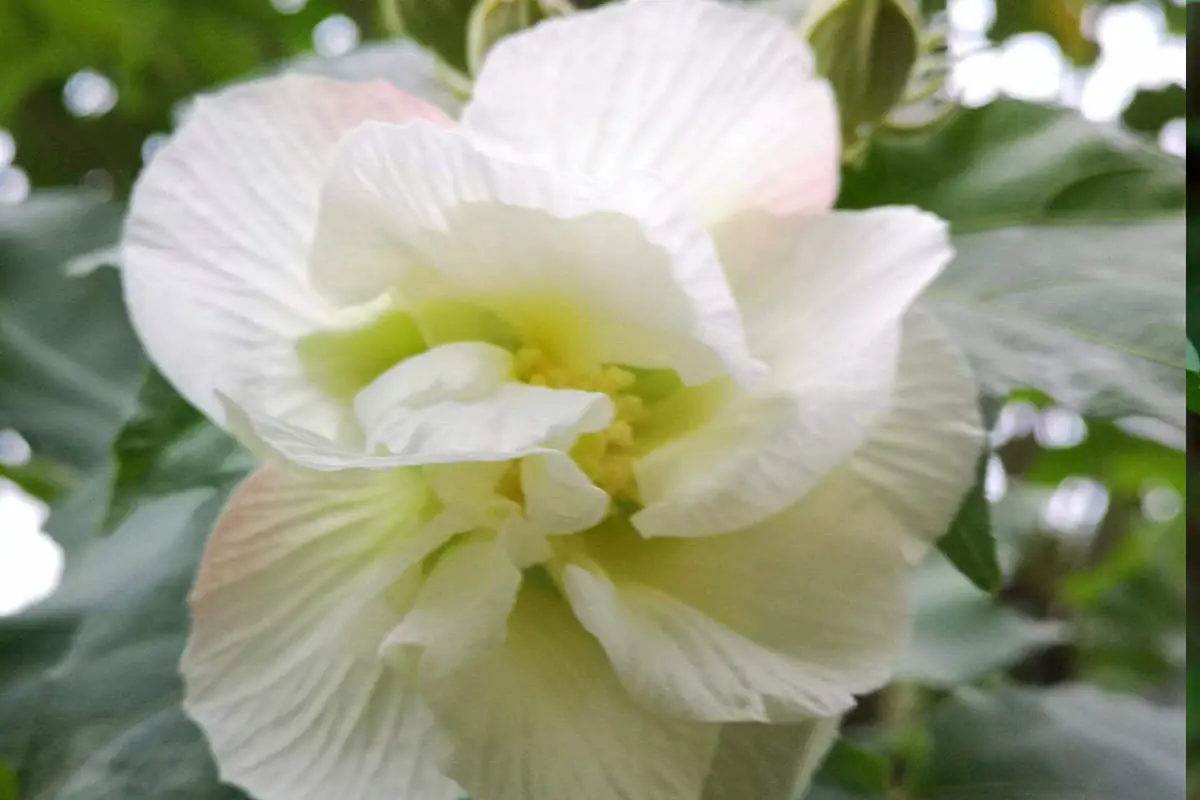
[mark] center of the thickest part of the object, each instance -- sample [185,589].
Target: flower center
[606,456]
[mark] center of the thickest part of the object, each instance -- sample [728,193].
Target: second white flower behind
[597,444]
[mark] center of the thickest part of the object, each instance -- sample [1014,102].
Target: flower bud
[867,50]
[440,25]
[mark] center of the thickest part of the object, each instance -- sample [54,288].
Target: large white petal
[559,497]
[762,452]
[714,674]
[720,103]
[542,717]
[216,244]
[921,459]
[459,402]
[605,274]
[796,613]
[822,298]
[768,762]
[461,609]
[815,291]
[301,581]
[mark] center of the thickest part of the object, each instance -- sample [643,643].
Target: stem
[903,708]
[389,15]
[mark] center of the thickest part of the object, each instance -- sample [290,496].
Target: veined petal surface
[823,298]
[302,579]
[722,104]
[786,619]
[768,762]
[543,717]
[919,462]
[216,244]
[576,268]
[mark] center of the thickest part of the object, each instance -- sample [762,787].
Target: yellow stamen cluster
[604,456]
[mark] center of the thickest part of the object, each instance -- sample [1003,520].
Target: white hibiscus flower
[596,443]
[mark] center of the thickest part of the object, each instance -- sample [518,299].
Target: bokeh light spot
[335,35]
[14,185]
[87,93]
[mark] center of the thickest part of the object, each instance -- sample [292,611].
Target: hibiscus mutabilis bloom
[596,444]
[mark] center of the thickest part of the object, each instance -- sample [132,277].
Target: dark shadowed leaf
[168,446]
[69,361]
[1068,743]
[1010,162]
[969,544]
[8,783]
[1060,19]
[89,684]
[1092,315]
[1151,109]
[440,25]
[1091,312]
[851,772]
[961,634]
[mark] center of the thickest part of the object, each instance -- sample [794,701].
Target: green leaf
[29,649]
[89,686]
[1193,703]
[1121,461]
[168,446]
[440,25]
[851,772]
[1092,315]
[40,478]
[1067,743]
[969,543]
[960,634]
[69,361]
[1088,313]
[76,518]
[1151,109]
[1061,19]
[8,783]
[826,791]
[1011,163]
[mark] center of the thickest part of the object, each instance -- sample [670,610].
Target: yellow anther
[630,408]
[614,475]
[619,434]
[589,449]
[617,379]
[588,383]
[603,456]
[528,362]
[557,378]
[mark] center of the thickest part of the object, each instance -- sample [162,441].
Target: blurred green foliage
[156,53]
